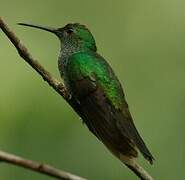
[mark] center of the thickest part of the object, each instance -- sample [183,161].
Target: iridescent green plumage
[102,105]
[96,93]
[93,66]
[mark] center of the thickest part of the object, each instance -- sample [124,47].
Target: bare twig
[58,87]
[22,50]
[38,167]
[138,170]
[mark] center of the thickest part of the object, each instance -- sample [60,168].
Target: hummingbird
[96,93]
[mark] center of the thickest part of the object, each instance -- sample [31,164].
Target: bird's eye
[69,31]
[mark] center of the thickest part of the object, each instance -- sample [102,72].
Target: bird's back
[101,103]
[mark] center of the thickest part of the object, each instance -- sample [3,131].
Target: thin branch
[23,52]
[138,170]
[57,86]
[38,167]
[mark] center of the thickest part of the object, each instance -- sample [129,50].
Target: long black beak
[49,29]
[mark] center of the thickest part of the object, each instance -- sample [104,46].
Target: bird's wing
[127,128]
[102,105]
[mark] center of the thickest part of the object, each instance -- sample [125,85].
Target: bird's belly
[97,114]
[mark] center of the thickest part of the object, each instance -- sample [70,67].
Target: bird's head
[71,36]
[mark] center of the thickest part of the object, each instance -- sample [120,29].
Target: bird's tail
[136,168]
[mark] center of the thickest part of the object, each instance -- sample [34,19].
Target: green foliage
[144,42]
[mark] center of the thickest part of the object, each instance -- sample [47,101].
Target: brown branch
[138,170]
[23,52]
[58,87]
[38,167]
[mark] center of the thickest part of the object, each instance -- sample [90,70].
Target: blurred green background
[144,41]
